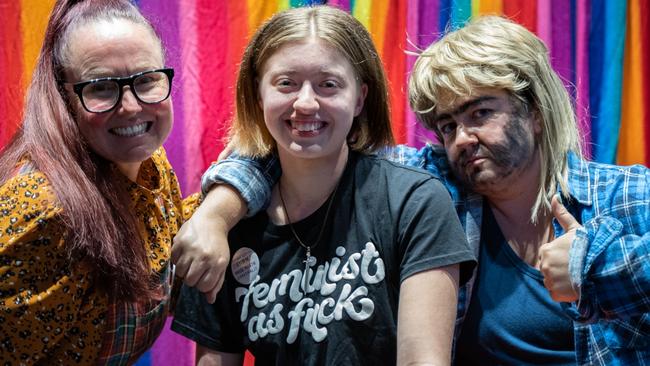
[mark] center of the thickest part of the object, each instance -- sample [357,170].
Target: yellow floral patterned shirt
[51,311]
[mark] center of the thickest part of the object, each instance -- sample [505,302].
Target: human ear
[537,122]
[256,85]
[361,98]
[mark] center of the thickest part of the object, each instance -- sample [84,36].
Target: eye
[481,113]
[146,82]
[100,89]
[144,79]
[329,84]
[285,84]
[446,127]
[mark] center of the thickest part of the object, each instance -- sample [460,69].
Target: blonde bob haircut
[370,129]
[494,52]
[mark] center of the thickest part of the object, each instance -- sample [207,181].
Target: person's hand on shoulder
[200,250]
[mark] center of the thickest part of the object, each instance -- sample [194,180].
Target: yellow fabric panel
[475,7]
[284,5]
[487,7]
[631,145]
[361,11]
[258,12]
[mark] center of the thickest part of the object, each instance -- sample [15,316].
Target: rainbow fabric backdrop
[600,47]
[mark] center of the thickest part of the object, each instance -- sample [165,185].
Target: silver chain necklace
[309,259]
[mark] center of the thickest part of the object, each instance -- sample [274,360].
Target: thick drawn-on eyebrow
[464,107]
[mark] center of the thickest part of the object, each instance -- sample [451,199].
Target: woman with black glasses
[88,201]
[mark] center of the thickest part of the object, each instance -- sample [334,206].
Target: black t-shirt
[387,223]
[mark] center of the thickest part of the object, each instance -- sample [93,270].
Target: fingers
[201,255]
[554,288]
[206,276]
[195,276]
[182,267]
[544,264]
[178,258]
[563,217]
[553,264]
[549,285]
[177,250]
[211,295]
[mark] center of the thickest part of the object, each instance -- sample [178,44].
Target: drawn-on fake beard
[505,160]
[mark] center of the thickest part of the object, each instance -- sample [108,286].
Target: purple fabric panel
[582,73]
[428,22]
[561,38]
[341,4]
[171,349]
[428,33]
[163,16]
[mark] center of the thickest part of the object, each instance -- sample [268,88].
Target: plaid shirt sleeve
[610,257]
[616,276]
[253,178]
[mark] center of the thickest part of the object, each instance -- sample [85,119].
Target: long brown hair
[370,129]
[96,209]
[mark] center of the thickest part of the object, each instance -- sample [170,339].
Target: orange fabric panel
[631,144]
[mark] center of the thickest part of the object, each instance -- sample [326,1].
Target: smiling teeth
[131,130]
[307,126]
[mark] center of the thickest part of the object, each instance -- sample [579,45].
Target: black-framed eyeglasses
[102,95]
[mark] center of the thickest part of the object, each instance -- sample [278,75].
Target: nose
[129,103]
[465,137]
[306,101]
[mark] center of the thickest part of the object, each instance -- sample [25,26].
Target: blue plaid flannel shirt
[610,257]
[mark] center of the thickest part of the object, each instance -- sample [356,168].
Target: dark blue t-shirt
[512,319]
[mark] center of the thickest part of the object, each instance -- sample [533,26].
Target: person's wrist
[223,206]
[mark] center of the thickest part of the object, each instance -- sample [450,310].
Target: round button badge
[245,265]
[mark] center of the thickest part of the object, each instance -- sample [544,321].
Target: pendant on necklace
[309,259]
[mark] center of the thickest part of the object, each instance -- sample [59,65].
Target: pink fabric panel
[544,22]
[412,31]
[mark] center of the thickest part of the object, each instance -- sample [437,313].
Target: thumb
[563,217]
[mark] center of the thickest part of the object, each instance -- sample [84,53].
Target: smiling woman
[130,131]
[88,201]
[341,264]
[310,96]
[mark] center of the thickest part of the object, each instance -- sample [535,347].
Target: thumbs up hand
[554,256]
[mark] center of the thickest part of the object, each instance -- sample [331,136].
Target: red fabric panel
[523,12]
[215,90]
[11,69]
[395,63]
[249,360]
